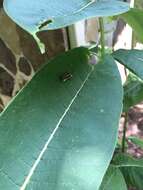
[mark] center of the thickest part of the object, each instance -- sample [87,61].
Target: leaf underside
[83,111]
[35,16]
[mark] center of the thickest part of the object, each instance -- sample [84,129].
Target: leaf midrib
[45,147]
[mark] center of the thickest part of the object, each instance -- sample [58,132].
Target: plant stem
[102,38]
[133,34]
[124,132]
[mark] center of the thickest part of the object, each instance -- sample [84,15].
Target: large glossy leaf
[31,15]
[113,179]
[133,92]
[60,132]
[132,59]
[134,18]
[132,170]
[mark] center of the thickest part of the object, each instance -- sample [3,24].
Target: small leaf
[137,141]
[131,59]
[133,92]
[61,134]
[113,179]
[125,160]
[134,17]
[131,168]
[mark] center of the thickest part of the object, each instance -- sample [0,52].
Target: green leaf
[134,17]
[139,4]
[133,92]
[60,132]
[42,15]
[113,179]
[132,59]
[125,160]
[132,170]
[137,141]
